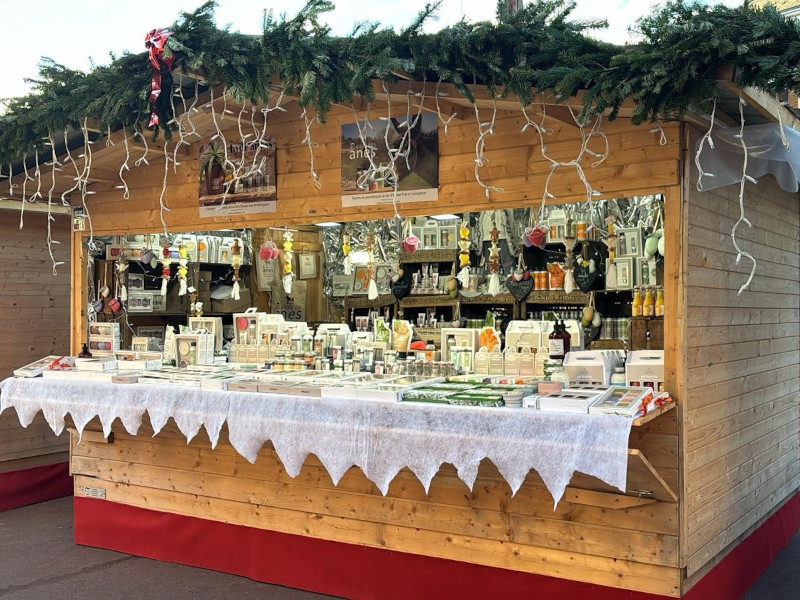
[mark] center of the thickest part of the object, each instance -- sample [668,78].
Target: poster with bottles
[367,152]
[237,178]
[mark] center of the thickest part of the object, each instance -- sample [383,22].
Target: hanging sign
[366,180]
[241,185]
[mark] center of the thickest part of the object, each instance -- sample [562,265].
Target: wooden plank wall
[632,548]
[743,366]
[34,321]
[637,163]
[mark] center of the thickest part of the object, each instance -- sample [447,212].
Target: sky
[79,33]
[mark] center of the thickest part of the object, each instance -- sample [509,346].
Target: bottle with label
[618,377]
[660,302]
[430,348]
[636,304]
[558,342]
[648,304]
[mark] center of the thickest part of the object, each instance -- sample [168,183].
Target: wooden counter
[595,535]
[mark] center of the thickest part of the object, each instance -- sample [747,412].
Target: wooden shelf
[488,299]
[430,256]
[364,302]
[556,297]
[606,345]
[423,301]
[656,412]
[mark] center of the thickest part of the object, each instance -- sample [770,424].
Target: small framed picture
[447,237]
[430,237]
[625,273]
[645,271]
[342,286]
[629,242]
[360,281]
[140,344]
[307,266]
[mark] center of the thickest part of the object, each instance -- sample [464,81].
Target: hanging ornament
[183,260]
[268,251]
[348,263]
[372,286]
[494,261]
[165,269]
[569,263]
[122,278]
[161,57]
[463,254]
[520,283]
[288,256]
[410,241]
[195,307]
[611,243]
[236,263]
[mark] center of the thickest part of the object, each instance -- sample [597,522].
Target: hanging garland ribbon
[160,57]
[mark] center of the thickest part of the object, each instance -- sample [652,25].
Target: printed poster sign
[417,173]
[248,189]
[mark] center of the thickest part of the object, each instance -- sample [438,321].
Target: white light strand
[586,137]
[126,194]
[261,136]
[24,190]
[11,184]
[83,179]
[662,140]
[50,219]
[143,158]
[37,174]
[445,122]
[784,141]
[181,129]
[742,218]
[705,139]
[161,204]
[311,146]
[484,129]
[109,141]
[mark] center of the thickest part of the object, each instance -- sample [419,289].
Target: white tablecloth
[378,437]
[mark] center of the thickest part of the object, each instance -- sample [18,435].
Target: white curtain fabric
[766,154]
[378,437]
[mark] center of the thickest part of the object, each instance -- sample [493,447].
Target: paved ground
[39,561]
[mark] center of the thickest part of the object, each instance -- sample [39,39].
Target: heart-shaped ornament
[585,277]
[519,289]
[402,287]
[538,237]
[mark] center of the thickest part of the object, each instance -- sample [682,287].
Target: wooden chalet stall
[711,479]
[720,472]
[33,323]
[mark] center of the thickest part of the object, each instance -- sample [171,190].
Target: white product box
[140,302]
[573,328]
[194,349]
[100,346]
[524,333]
[47,363]
[249,326]
[212,324]
[588,366]
[96,364]
[569,401]
[104,329]
[645,368]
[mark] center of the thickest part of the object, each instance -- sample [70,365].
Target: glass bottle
[659,302]
[85,352]
[648,304]
[636,304]
[618,377]
[558,342]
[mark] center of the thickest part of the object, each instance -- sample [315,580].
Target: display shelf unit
[429,256]
[351,302]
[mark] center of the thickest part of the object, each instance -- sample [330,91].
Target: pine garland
[538,48]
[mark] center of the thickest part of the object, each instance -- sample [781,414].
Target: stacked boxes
[104,338]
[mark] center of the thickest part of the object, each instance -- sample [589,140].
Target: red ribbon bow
[155,41]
